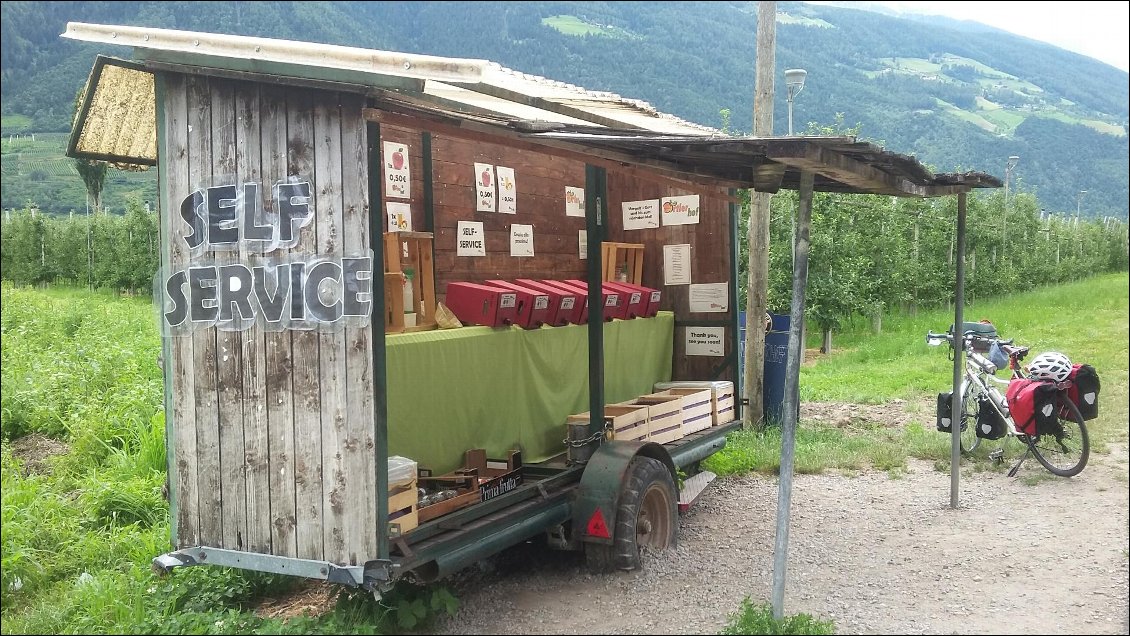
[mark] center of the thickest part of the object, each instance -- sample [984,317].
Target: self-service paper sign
[261,282]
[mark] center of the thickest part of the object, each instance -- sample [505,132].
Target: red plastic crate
[475,304]
[533,305]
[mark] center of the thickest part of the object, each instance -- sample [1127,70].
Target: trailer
[316,203]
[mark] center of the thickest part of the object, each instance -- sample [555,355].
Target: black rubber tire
[968,420]
[646,516]
[1064,453]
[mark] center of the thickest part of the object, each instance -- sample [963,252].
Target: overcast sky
[1095,29]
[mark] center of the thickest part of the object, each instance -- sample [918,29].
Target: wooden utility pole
[758,238]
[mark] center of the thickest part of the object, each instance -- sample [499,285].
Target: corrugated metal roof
[119,118]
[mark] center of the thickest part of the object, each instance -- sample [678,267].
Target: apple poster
[484,187]
[397,178]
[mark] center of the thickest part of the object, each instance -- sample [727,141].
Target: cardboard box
[625,422]
[613,308]
[665,417]
[698,408]
[635,305]
[533,305]
[721,393]
[561,304]
[580,300]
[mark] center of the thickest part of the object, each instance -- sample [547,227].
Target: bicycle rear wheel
[1065,450]
[969,405]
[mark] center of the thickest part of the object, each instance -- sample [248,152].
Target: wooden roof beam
[838,167]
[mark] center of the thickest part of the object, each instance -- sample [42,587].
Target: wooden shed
[282,163]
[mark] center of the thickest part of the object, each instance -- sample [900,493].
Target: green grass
[1086,320]
[758,619]
[785,18]
[572,25]
[965,115]
[14,123]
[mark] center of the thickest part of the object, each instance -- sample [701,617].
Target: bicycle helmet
[1050,366]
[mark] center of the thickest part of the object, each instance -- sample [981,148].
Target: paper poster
[640,215]
[677,264]
[709,297]
[574,201]
[680,210]
[472,241]
[706,341]
[583,243]
[399,216]
[521,240]
[484,188]
[398,179]
[507,190]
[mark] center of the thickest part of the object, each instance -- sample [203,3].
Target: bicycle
[1063,449]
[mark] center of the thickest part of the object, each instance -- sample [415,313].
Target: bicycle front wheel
[1063,451]
[969,405]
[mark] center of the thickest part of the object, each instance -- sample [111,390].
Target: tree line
[872,253]
[99,250]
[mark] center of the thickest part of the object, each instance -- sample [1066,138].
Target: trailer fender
[598,494]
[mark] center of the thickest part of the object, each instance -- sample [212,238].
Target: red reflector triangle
[597,527]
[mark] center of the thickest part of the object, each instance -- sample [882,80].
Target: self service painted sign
[242,270]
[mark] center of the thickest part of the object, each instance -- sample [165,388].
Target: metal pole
[790,101]
[790,404]
[595,194]
[958,353]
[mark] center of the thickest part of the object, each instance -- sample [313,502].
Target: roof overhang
[117,120]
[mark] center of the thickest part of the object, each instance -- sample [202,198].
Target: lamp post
[1079,205]
[794,80]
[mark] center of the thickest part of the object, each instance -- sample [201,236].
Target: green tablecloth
[498,389]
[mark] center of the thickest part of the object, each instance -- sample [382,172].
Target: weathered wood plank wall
[273,442]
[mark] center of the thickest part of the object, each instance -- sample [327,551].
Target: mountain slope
[958,96]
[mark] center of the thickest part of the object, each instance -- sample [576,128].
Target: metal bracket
[351,575]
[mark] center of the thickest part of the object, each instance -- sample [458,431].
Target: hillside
[957,95]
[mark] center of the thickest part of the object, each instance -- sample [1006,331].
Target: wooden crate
[625,258]
[721,394]
[624,422]
[697,408]
[664,415]
[467,488]
[403,515]
[404,250]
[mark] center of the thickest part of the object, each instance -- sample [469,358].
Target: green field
[572,25]
[34,168]
[83,456]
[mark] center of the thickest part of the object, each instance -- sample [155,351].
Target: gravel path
[871,552]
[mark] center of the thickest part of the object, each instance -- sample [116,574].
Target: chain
[583,442]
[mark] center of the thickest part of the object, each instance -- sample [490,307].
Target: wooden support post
[757,283]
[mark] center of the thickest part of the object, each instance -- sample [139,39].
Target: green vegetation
[83,465]
[572,25]
[653,56]
[1085,320]
[758,619]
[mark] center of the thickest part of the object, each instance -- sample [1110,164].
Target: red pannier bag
[1032,405]
[1084,390]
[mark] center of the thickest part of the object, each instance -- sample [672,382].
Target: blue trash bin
[776,359]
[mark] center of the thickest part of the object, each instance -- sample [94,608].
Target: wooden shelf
[405,251]
[626,258]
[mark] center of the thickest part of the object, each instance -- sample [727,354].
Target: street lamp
[1079,205]
[794,80]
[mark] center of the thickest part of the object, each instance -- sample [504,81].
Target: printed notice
[471,241]
[709,297]
[680,210]
[397,176]
[583,243]
[574,201]
[677,264]
[399,217]
[507,190]
[706,341]
[640,215]
[484,188]
[521,240]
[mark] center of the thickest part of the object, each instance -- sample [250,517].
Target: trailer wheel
[646,517]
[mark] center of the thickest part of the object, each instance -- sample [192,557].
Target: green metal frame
[380,377]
